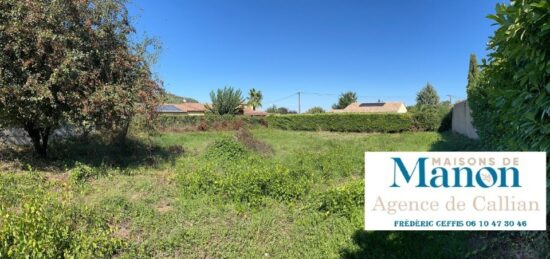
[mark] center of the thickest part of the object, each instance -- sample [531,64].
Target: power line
[282,99]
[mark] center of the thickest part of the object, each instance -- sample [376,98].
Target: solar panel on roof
[371,104]
[168,108]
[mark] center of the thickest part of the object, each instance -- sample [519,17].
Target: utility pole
[299,107]
[450,99]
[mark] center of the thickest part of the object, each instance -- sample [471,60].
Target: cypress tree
[473,72]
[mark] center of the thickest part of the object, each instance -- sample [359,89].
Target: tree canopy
[427,96]
[226,101]
[473,72]
[172,98]
[255,98]
[316,109]
[345,99]
[71,62]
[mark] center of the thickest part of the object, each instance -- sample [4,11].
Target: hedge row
[206,122]
[349,122]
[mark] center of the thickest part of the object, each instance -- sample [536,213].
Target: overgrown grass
[221,198]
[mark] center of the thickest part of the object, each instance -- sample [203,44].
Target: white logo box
[494,191]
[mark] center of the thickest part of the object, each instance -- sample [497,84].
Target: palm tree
[255,98]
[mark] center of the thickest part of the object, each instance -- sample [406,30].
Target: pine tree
[427,96]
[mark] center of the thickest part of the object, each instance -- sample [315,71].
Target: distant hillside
[172,98]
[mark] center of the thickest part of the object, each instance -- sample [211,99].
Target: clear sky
[384,50]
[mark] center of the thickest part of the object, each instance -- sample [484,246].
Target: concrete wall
[19,137]
[462,120]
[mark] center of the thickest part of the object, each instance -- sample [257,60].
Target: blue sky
[384,50]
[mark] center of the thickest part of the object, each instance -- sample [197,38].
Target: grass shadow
[451,141]
[93,151]
[407,244]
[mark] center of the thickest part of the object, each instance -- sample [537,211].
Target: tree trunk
[39,138]
[120,136]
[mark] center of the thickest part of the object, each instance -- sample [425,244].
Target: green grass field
[219,199]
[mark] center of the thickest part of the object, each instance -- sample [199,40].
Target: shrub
[352,122]
[425,118]
[81,172]
[226,149]
[226,101]
[343,200]
[430,118]
[510,100]
[44,228]
[316,109]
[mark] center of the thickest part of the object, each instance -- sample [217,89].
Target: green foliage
[226,149]
[343,200]
[255,98]
[427,96]
[316,109]
[71,62]
[229,169]
[226,101]
[511,103]
[82,172]
[279,110]
[172,98]
[352,122]
[345,99]
[45,228]
[207,122]
[473,72]
[431,118]
[425,118]
[510,100]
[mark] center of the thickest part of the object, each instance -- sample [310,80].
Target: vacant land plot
[270,194]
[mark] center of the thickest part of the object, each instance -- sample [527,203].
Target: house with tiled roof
[200,109]
[379,107]
[182,108]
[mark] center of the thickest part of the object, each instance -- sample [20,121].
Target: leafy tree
[70,62]
[255,98]
[279,110]
[316,109]
[282,110]
[345,99]
[226,101]
[473,72]
[272,109]
[427,96]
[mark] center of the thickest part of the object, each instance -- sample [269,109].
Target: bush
[343,200]
[316,109]
[352,122]
[44,228]
[81,172]
[226,149]
[510,100]
[431,118]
